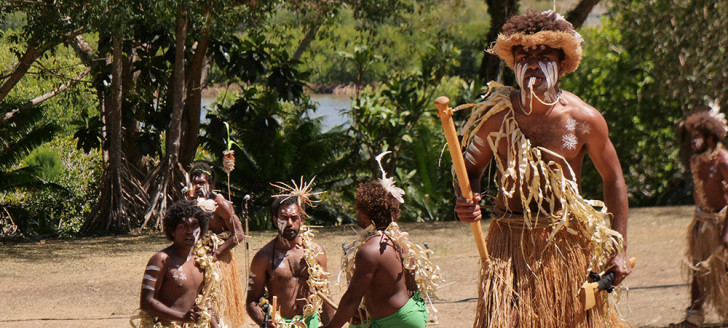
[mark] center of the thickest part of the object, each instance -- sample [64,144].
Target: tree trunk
[31,54]
[121,198]
[579,14]
[500,11]
[163,182]
[194,102]
[307,39]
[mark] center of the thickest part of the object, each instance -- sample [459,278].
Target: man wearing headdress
[390,277]
[291,267]
[544,238]
[707,234]
[226,232]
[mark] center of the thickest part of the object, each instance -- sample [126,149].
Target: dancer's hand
[468,210]
[621,267]
[193,315]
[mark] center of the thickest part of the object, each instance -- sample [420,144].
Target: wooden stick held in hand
[445,114]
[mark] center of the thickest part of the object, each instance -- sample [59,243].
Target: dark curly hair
[533,22]
[377,204]
[706,124]
[202,168]
[283,201]
[181,210]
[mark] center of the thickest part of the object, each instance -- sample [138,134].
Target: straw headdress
[531,29]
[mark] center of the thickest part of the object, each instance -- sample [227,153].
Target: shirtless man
[538,136]
[225,225]
[281,268]
[391,293]
[708,232]
[172,279]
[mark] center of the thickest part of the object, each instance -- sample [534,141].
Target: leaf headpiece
[302,191]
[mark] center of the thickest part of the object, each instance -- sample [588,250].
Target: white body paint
[698,142]
[152,268]
[571,124]
[150,278]
[148,287]
[570,141]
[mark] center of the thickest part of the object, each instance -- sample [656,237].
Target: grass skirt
[530,282]
[231,303]
[709,260]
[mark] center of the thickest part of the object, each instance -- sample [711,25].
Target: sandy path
[95,282]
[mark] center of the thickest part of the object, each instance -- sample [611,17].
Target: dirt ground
[96,282]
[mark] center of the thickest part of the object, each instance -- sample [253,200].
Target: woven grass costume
[540,258]
[706,258]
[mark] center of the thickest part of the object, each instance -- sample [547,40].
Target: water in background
[329,106]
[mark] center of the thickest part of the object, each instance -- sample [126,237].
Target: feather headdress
[388,183]
[717,115]
[302,191]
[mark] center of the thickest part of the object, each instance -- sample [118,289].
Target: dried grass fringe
[709,260]
[231,301]
[531,282]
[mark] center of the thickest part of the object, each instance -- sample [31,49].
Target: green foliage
[46,162]
[618,82]
[58,211]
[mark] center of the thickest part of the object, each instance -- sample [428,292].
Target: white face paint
[698,142]
[281,224]
[570,141]
[196,233]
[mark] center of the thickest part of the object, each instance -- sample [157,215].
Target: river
[328,106]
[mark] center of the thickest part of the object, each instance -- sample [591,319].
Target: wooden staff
[445,114]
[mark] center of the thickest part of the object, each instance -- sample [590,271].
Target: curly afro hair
[181,210]
[204,169]
[533,22]
[377,204]
[706,124]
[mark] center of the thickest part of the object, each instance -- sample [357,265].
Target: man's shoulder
[161,257]
[265,251]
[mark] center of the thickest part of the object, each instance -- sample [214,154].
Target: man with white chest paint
[544,238]
[173,288]
[291,267]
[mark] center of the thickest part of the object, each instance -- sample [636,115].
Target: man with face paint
[226,226]
[281,268]
[173,278]
[708,234]
[544,237]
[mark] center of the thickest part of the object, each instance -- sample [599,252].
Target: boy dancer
[389,276]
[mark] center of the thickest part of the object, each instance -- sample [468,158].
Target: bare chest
[183,277]
[288,267]
[560,134]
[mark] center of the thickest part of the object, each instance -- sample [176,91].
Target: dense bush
[620,84]
[58,211]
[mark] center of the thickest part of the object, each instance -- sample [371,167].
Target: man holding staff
[544,238]
[707,233]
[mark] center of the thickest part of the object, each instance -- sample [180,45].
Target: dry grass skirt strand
[708,257]
[532,283]
[231,305]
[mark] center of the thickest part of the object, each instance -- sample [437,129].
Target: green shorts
[310,321]
[412,315]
